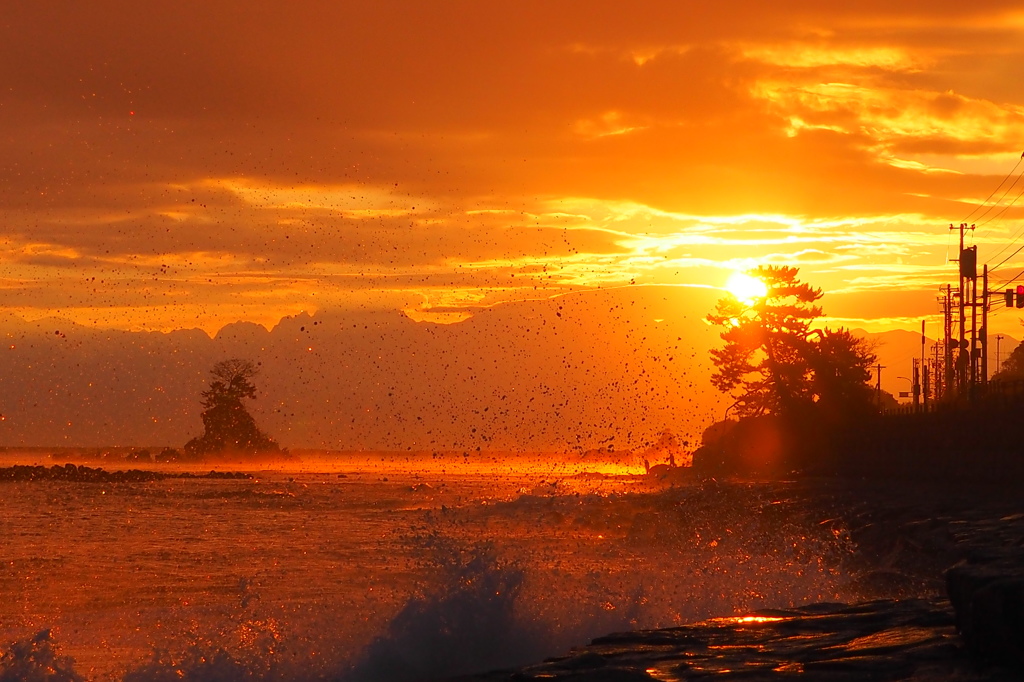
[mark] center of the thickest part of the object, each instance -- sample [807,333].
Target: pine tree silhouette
[228,426]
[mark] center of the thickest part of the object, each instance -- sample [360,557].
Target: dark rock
[988,599]
[84,474]
[608,675]
[138,456]
[878,641]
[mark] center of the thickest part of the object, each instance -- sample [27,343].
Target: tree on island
[228,426]
[775,362]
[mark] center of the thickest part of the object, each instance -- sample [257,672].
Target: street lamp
[907,394]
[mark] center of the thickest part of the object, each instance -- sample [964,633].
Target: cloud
[350,201]
[807,56]
[609,123]
[304,157]
[891,115]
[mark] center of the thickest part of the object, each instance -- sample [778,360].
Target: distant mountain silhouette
[580,371]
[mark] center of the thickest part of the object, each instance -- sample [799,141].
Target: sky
[187,164]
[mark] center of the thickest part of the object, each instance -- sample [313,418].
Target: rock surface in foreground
[881,640]
[988,597]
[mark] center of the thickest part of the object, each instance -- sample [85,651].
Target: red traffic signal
[1020,295]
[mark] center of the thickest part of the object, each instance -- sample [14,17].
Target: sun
[746,288]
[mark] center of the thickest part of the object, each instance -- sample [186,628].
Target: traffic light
[1008,297]
[1020,295]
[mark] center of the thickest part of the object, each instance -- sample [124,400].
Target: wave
[37,659]
[560,570]
[471,623]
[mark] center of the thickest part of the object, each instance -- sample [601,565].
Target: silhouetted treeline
[976,441]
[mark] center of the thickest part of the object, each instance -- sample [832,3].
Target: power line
[1016,236]
[1016,251]
[1012,279]
[1013,240]
[1012,171]
[1006,207]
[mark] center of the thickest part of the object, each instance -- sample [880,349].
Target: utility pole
[926,385]
[966,359]
[961,363]
[947,340]
[973,284]
[878,385]
[923,378]
[999,357]
[984,327]
[938,371]
[915,384]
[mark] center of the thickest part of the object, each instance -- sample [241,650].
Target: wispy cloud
[809,55]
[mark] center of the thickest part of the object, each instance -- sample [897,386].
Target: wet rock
[83,474]
[988,599]
[881,640]
[138,456]
[168,455]
[224,475]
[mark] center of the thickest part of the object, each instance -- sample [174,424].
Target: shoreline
[974,530]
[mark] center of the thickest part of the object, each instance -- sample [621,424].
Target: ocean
[392,567]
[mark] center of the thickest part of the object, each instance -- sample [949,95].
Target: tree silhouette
[1013,367]
[773,362]
[228,426]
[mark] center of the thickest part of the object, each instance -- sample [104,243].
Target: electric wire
[988,208]
[1012,171]
[1015,252]
[1006,207]
[1011,242]
[1012,279]
[998,202]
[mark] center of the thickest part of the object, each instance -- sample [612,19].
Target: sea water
[389,568]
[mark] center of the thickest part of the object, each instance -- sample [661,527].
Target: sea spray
[470,624]
[564,568]
[239,644]
[250,656]
[661,558]
[363,579]
[37,659]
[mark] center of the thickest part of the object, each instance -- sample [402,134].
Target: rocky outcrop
[988,597]
[84,474]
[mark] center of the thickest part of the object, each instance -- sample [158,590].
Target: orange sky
[187,164]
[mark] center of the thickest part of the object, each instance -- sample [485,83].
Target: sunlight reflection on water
[121,570]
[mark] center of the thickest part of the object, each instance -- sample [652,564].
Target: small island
[230,432]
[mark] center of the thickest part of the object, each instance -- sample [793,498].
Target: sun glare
[746,288]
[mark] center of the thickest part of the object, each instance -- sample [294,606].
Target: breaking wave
[559,570]
[470,624]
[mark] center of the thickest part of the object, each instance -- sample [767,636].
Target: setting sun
[328,326]
[746,288]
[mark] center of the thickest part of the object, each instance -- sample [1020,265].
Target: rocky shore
[927,623]
[880,640]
